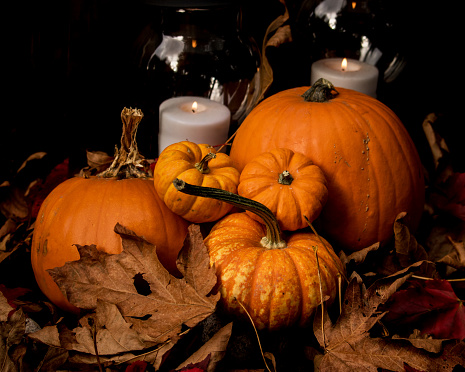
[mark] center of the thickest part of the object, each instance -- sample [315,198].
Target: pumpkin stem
[272,240]
[128,163]
[320,91]
[202,165]
[285,178]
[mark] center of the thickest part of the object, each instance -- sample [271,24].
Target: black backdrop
[70,63]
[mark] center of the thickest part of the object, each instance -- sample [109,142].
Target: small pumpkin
[366,154]
[85,211]
[288,183]
[198,164]
[276,280]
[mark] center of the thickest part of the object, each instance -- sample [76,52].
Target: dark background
[70,64]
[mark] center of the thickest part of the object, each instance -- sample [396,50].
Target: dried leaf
[449,196]
[5,308]
[407,248]
[156,317]
[200,366]
[437,144]
[11,333]
[8,227]
[37,194]
[282,35]
[99,160]
[266,72]
[48,335]
[214,349]
[35,156]
[137,366]
[424,341]
[456,258]
[12,294]
[359,256]
[430,305]
[348,345]
[113,334]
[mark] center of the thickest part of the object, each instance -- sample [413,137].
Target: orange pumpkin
[84,211]
[277,281]
[288,183]
[200,165]
[366,154]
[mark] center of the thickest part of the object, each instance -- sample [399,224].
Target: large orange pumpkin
[275,279]
[85,211]
[366,154]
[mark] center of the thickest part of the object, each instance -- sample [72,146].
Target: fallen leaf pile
[401,310]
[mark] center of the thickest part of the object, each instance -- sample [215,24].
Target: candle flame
[194,43]
[354,4]
[194,106]
[344,64]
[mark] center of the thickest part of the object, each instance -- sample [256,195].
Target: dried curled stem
[128,163]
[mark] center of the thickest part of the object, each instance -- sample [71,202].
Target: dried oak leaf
[347,343]
[432,306]
[171,303]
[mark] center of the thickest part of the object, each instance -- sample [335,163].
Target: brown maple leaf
[347,343]
[156,316]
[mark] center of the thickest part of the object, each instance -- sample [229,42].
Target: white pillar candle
[359,76]
[180,121]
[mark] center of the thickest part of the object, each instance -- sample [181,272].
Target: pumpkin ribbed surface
[288,183]
[85,211]
[278,287]
[182,160]
[366,154]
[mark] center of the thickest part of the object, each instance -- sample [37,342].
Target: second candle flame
[194,106]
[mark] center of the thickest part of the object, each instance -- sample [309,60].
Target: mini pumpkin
[366,154]
[85,211]
[198,164]
[288,183]
[276,281]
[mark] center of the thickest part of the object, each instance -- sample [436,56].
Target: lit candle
[195,119]
[347,73]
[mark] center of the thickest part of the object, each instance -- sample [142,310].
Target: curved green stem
[273,232]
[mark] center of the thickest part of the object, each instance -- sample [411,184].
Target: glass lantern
[196,48]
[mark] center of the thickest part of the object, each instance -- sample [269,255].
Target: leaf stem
[327,250]
[321,295]
[256,333]
[449,280]
[93,328]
